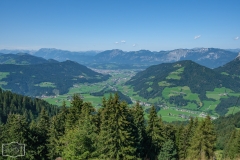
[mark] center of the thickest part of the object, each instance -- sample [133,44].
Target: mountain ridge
[209,57]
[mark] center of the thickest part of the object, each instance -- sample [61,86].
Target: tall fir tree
[232,149]
[15,131]
[79,142]
[185,136]
[140,127]
[203,141]
[116,139]
[74,111]
[155,134]
[56,131]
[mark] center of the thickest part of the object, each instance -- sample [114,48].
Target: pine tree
[155,134]
[139,124]
[74,111]
[56,131]
[232,149]
[203,140]
[79,141]
[185,136]
[15,131]
[116,140]
[39,136]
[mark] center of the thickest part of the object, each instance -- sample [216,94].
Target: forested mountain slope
[232,68]
[186,82]
[21,59]
[11,103]
[47,78]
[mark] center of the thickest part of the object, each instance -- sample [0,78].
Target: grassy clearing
[46,84]
[209,106]
[164,83]
[149,83]
[3,75]
[185,91]
[232,110]
[191,106]
[175,74]
[149,89]
[3,83]
[225,73]
[172,114]
[58,100]
[219,93]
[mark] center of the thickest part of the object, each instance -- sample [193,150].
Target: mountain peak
[238,56]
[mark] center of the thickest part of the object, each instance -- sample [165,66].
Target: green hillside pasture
[3,75]
[149,83]
[58,100]
[191,106]
[209,105]
[220,93]
[85,88]
[174,114]
[10,61]
[154,100]
[2,83]
[232,110]
[95,100]
[185,90]
[128,91]
[46,84]
[225,73]
[175,74]
[164,83]
[189,95]
[149,89]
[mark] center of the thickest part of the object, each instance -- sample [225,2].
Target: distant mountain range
[209,57]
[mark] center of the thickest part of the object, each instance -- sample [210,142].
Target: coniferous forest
[115,131]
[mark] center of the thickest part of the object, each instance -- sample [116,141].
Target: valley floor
[169,112]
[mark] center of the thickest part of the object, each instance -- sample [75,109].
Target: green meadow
[175,74]
[218,93]
[46,84]
[3,75]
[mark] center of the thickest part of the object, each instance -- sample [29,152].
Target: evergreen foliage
[117,131]
[155,134]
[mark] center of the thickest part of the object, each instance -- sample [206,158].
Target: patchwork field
[169,112]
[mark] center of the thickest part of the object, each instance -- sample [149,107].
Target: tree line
[115,131]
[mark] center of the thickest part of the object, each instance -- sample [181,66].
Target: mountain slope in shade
[47,78]
[21,59]
[231,68]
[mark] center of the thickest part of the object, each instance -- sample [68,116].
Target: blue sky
[80,25]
